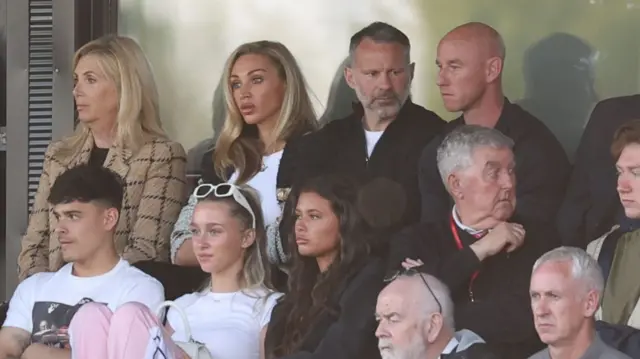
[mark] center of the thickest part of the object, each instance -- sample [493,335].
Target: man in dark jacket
[591,205]
[471,59]
[481,251]
[385,134]
[415,320]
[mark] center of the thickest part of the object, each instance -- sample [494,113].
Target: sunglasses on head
[223,190]
[410,273]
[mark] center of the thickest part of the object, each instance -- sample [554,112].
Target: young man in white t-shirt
[86,202]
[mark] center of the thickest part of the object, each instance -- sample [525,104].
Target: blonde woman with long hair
[229,315]
[118,128]
[268,108]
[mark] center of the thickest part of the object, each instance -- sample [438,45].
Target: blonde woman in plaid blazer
[119,128]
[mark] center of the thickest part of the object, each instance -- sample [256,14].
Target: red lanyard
[456,237]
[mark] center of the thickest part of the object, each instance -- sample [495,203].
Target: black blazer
[542,168]
[591,202]
[340,147]
[347,335]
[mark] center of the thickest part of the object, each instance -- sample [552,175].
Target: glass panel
[562,56]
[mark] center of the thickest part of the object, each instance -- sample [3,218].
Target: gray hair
[455,153]
[583,267]
[440,292]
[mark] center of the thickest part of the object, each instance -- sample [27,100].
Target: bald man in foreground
[470,59]
[415,316]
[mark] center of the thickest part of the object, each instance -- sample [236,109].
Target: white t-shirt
[372,139]
[229,324]
[265,183]
[45,302]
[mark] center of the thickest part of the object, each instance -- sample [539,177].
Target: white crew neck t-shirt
[45,302]
[229,324]
[265,183]
[372,140]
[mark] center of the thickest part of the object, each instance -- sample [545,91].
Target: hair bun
[382,203]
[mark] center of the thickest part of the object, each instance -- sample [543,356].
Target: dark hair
[255,267]
[625,135]
[379,32]
[310,292]
[86,183]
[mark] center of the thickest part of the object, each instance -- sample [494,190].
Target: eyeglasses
[410,273]
[225,190]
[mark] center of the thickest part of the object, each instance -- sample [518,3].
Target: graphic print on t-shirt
[51,322]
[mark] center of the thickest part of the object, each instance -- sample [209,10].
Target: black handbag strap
[607,252]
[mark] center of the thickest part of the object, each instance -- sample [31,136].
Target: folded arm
[507,317]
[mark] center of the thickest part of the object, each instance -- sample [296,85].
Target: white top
[265,183]
[372,139]
[229,324]
[453,343]
[46,302]
[465,228]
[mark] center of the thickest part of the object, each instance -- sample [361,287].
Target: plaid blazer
[155,190]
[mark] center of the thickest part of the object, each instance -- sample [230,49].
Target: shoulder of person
[36,281]
[609,352]
[543,354]
[136,277]
[527,123]
[55,148]
[425,117]
[187,300]
[335,127]
[594,247]
[161,148]
[478,350]
[368,278]
[617,104]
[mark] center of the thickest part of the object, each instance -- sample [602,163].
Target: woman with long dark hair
[333,280]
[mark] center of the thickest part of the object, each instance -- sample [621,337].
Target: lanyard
[456,237]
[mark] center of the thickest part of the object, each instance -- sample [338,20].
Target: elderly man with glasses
[415,316]
[482,251]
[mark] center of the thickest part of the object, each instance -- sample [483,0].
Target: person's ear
[455,186]
[248,238]
[494,69]
[348,76]
[434,327]
[111,216]
[591,303]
